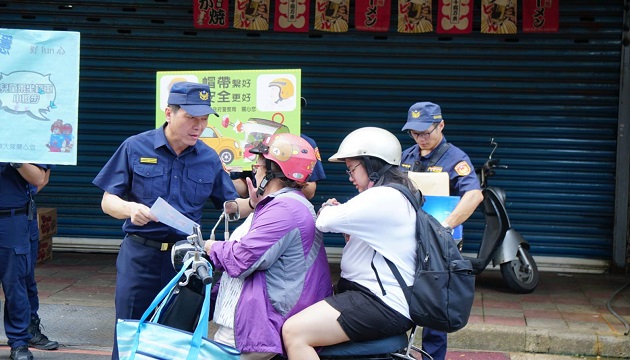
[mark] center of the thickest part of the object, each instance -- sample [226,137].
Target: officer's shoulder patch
[462,168]
[148,160]
[318,156]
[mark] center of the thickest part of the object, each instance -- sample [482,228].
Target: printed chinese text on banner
[372,15]
[541,15]
[211,14]
[332,15]
[252,104]
[455,16]
[292,15]
[39,96]
[498,16]
[251,14]
[414,16]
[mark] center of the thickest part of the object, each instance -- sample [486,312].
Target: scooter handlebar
[202,274]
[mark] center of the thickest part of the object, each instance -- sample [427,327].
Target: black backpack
[443,289]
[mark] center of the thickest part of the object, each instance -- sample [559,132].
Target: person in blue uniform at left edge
[168,162]
[38,339]
[432,153]
[15,260]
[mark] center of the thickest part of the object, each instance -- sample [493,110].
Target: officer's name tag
[146,160]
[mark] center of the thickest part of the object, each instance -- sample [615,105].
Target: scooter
[395,347]
[501,243]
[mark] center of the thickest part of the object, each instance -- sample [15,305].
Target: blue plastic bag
[147,339]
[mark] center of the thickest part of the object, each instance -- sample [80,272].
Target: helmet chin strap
[374,175]
[268,176]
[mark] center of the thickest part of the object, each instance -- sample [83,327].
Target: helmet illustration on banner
[286,87]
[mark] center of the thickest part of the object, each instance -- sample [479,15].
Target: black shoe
[21,353]
[39,340]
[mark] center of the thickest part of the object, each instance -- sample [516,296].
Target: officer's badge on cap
[194,98]
[422,115]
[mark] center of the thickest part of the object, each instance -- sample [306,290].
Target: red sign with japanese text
[251,14]
[455,17]
[414,16]
[210,14]
[372,15]
[332,15]
[292,15]
[498,16]
[541,15]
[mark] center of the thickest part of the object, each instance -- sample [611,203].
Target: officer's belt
[14,211]
[151,243]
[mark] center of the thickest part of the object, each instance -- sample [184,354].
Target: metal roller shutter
[550,100]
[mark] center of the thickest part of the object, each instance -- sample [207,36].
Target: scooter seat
[371,347]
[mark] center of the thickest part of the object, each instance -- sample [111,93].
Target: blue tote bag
[146,339]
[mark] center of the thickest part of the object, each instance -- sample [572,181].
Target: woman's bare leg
[314,326]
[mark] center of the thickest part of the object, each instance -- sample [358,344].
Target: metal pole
[621,247]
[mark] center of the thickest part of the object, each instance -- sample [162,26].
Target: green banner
[251,104]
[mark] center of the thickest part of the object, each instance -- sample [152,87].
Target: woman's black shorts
[363,315]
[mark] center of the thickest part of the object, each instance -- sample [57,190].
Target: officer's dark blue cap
[194,98]
[421,115]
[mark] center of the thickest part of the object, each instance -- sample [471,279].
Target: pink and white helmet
[294,155]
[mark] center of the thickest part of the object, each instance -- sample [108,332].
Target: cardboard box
[45,250]
[47,222]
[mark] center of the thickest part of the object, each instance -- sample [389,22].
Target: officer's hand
[140,214]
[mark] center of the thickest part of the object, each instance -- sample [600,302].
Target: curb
[531,340]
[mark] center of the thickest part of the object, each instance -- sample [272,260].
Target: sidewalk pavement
[566,315]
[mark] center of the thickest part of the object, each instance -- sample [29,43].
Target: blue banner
[39,96]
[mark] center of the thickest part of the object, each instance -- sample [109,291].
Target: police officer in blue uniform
[168,162]
[318,171]
[38,339]
[432,153]
[15,260]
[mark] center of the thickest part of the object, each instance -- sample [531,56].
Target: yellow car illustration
[226,147]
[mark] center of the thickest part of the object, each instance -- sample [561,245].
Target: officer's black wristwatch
[16,165]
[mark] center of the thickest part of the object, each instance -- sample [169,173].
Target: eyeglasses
[424,135]
[350,171]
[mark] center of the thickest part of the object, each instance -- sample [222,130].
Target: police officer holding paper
[168,162]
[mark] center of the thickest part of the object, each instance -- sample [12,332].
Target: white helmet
[369,141]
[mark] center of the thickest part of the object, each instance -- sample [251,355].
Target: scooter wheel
[519,277]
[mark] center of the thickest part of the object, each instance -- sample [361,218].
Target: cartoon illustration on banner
[39,96]
[251,104]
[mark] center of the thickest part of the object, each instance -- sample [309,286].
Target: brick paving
[566,314]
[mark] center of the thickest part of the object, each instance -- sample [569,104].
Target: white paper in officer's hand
[168,215]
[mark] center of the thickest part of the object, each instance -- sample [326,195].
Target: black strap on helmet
[374,175]
[269,175]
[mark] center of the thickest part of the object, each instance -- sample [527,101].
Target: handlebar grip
[202,274]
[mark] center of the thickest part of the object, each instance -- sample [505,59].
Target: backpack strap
[415,201]
[435,157]
[378,278]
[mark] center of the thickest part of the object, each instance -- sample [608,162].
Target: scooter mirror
[231,210]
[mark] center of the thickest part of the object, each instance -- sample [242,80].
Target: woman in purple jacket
[279,266]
